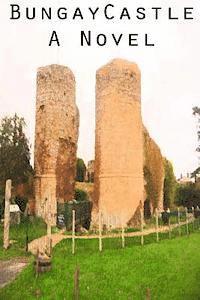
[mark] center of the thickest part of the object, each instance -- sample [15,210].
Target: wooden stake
[100,231]
[142,226]
[157,226]
[73,230]
[169,223]
[49,240]
[37,263]
[76,283]
[179,224]
[148,294]
[186,214]
[7,214]
[123,236]
[193,218]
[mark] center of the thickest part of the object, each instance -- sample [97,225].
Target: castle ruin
[119,184]
[56,136]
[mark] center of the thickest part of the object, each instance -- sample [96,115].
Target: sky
[170,70]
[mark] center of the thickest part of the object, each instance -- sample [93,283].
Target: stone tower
[56,135]
[119,185]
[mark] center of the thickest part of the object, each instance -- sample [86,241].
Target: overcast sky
[170,70]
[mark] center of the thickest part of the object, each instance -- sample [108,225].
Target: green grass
[170,269]
[36,228]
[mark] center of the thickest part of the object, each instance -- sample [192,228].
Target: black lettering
[62,13]
[170,15]
[15,12]
[77,13]
[125,13]
[28,15]
[86,38]
[146,41]
[188,11]
[104,39]
[117,41]
[141,11]
[54,38]
[156,11]
[106,11]
[44,12]
[93,12]
[133,39]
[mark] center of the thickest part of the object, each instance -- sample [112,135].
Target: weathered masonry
[56,135]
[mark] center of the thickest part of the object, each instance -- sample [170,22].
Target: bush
[188,195]
[80,195]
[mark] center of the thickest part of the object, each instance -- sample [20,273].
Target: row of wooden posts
[100,236]
[170,226]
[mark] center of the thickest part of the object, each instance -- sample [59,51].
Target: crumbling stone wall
[56,135]
[153,173]
[119,184]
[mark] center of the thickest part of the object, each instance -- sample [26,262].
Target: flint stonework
[119,184]
[56,135]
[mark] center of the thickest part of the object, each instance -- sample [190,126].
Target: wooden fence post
[169,224]
[179,226]
[142,226]
[100,231]
[193,218]
[76,283]
[73,230]
[157,225]
[198,217]
[49,241]
[187,227]
[7,214]
[123,236]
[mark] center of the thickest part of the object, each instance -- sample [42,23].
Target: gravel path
[10,269]
[58,237]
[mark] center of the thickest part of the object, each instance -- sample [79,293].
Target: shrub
[80,195]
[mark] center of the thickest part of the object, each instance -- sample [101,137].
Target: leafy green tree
[80,170]
[14,151]
[188,195]
[169,184]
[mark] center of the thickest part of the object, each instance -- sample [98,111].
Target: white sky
[170,71]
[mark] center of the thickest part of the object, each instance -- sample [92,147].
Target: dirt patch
[10,269]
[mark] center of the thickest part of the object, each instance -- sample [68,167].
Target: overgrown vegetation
[80,170]
[153,171]
[35,227]
[188,195]
[169,185]
[14,151]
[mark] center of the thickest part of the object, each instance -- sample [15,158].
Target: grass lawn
[36,228]
[170,269]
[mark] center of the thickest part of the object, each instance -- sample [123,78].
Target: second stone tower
[119,184]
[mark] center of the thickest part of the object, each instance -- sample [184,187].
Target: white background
[170,70]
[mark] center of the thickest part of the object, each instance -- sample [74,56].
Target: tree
[196,174]
[14,151]
[196,113]
[188,195]
[80,170]
[169,184]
